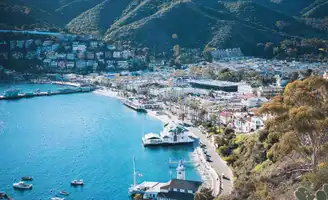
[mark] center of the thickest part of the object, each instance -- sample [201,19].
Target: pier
[49,93]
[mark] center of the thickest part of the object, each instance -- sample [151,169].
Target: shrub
[270,156]
[263,135]
[224,151]
[220,141]
[273,138]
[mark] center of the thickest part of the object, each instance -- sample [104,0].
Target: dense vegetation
[197,23]
[289,152]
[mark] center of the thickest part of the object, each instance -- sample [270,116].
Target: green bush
[273,138]
[263,135]
[270,156]
[224,151]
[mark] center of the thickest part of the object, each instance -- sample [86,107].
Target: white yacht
[22,186]
[173,134]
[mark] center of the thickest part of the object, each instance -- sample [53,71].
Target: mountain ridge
[197,23]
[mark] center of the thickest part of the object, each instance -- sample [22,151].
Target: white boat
[76,182]
[173,134]
[57,198]
[22,186]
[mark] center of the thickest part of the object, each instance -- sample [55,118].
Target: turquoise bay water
[81,136]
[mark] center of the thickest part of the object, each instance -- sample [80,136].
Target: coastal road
[217,163]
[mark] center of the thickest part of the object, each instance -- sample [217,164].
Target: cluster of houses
[55,54]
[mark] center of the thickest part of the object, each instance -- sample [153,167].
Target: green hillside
[151,23]
[99,18]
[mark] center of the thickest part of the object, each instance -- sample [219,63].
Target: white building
[269,91]
[117,54]
[254,102]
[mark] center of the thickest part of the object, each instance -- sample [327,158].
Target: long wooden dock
[39,94]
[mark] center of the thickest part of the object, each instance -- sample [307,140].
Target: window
[175,190]
[190,191]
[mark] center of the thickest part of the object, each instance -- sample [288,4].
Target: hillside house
[70,64]
[47,43]
[126,54]
[123,64]
[53,64]
[70,56]
[28,43]
[93,44]
[99,55]
[254,102]
[20,44]
[111,47]
[108,54]
[117,54]
[90,55]
[80,64]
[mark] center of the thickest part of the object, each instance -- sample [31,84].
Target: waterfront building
[175,189]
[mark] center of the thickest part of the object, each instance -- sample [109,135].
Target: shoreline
[208,175]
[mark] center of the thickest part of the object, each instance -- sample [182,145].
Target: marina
[75,142]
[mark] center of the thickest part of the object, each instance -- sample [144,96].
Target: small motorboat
[22,186]
[27,178]
[57,198]
[64,193]
[76,182]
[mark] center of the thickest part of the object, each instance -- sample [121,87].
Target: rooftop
[182,184]
[214,83]
[175,195]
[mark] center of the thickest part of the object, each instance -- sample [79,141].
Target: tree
[204,194]
[301,117]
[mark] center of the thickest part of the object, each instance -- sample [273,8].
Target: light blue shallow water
[81,136]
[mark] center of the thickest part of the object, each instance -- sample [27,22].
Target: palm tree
[202,114]
[219,115]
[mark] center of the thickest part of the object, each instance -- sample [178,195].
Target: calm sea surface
[81,136]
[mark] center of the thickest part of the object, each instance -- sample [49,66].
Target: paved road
[218,164]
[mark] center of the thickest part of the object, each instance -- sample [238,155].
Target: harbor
[79,143]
